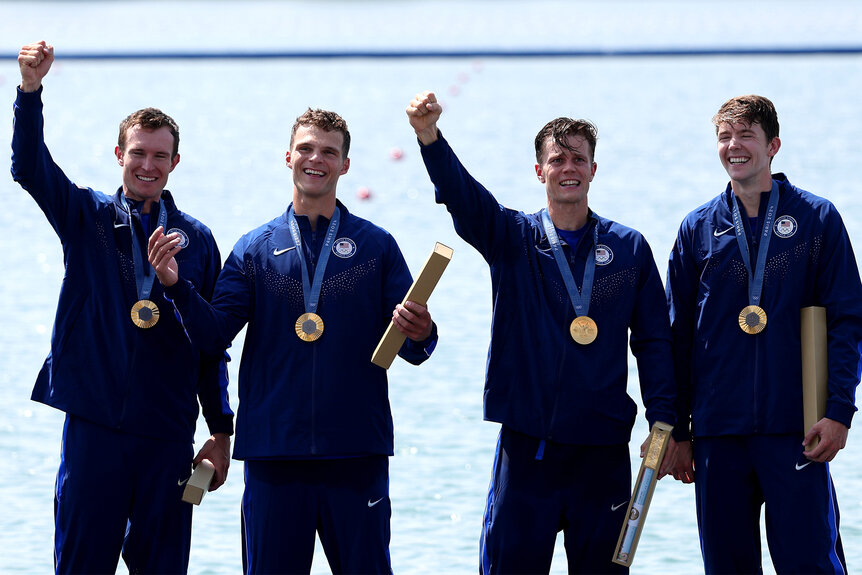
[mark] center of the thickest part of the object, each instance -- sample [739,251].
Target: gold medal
[309,327]
[584,330]
[145,314]
[752,319]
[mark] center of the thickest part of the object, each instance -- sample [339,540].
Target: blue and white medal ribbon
[583,328]
[145,313]
[309,326]
[752,318]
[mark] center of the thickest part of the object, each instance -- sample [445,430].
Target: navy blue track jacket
[102,367]
[539,381]
[733,383]
[301,399]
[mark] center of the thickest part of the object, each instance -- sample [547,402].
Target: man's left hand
[413,320]
[217,451]
[833,438]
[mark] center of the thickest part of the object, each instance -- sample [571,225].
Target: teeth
[313,172]
[569,183]
[738,160]
[146,179]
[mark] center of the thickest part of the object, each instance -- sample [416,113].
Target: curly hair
[558,131]
[750,109]
[149,119]
[325,120]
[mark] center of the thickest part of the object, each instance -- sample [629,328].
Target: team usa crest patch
[184,238]
[344,248]
[785,226]
[604,255]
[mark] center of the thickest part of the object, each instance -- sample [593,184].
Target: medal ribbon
[580,300]
[143,278]
[755,279]
[311,290]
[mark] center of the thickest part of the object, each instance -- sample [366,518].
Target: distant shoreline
[363,53]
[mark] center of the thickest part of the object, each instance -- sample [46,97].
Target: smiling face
[147,157]
[566,172]
[315,157]
[746,153]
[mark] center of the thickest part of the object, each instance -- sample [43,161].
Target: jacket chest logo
[785,226]
[344,248]
[184,238]
[604,255]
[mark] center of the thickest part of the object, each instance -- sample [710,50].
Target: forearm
[213,394]
[208,328]
[416,352]
[479,219]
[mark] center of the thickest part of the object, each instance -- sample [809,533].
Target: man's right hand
[161,251]
[423,112]
[682,465]
[34,60]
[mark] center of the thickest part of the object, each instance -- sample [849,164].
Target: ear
[345,167]
[773,147]
[174,162]
[539,173]
[287,159]
[593,171]
[119,153]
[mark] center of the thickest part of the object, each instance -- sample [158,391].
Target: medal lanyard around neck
[143,278]
[580,300]
[755,279]
[311,290]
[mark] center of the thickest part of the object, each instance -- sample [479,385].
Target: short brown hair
[325,120]
[560,129]
[149,119]
[750,109]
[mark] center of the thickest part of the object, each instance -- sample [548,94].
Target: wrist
[427,136]
[29,87]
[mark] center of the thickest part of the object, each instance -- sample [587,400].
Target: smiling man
[317,287]
[742,268]
[567,285]
[125,373]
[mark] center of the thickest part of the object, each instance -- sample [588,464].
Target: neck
[313,207]
[569,217]
[147,204]
[749,193]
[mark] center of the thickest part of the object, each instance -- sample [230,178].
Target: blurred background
[236,74]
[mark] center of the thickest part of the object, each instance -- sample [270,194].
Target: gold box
[630,533]
[419,292]
[815,368]
[199,483]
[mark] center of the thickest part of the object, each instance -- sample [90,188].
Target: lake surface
[656,161]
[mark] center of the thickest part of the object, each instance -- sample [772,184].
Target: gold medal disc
[145,314]
[752,319]
[584,330]
[309,327]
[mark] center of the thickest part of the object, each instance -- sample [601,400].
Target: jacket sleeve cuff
[35,96]
[180,292]
[416,352]
[841,413]
[220,424]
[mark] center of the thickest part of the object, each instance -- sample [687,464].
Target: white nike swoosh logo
[804,465]
[278,252]
[615,507]
[182,482]
[717,233]
[373,503]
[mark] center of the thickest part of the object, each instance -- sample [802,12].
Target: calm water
[657,161]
